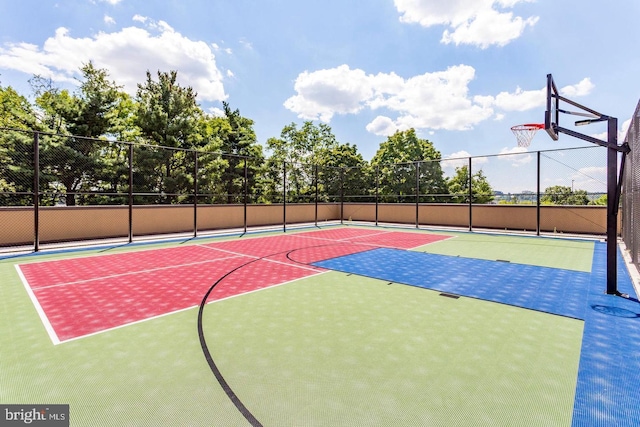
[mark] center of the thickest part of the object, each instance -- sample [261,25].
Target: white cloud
[582,88]
[127,54]
[215,112]
[216,47]
[437,100]
[383,126]
[622,132]
[516,155]
[111,2]
[459,159]
[109,20]
[476,22]
[323,93]
[514,150]
[590,178]
[430,101]
[523,100]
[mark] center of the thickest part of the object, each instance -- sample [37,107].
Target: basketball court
[346,325]
[337,325]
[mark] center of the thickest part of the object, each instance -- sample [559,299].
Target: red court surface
[83,296]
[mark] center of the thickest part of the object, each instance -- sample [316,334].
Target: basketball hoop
[524,133]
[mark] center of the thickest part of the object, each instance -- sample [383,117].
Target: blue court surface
[608,384]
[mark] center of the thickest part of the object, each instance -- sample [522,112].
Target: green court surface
[346,350]
[328,350]
[563,253]
[332,349]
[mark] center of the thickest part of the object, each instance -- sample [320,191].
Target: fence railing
[56,173]
[631,191]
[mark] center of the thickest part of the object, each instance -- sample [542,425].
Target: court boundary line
[346,240]
[34,300]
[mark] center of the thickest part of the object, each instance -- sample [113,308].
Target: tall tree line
[177,148]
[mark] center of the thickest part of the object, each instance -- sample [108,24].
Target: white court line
[129,273]
[292,263]
[39,309]
[370,235]
[346,239]
[434,242]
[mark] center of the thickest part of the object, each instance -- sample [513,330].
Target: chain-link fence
[631,193]
[115,186]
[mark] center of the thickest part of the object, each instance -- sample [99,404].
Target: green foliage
[562,195]
[77,162]
[168,116]
[238,140]
[16,148]
[342,171]
[178,150]
[481,190]
[300,149]
[402,160]
[15,110]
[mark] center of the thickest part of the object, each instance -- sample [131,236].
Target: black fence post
[316,185]
[130,192]
[195,195]
[246,191]
[341,195]
[36,192]
[538,199]
[377,190]
[417,193]
[470,196]
[284,197]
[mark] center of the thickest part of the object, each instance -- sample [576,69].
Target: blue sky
[461,72]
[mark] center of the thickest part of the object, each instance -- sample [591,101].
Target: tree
[396,161]
[562,195]
[481,190]
[299,150]
[168,117]
[600,201]
[238,142]
[70,164]
[342,170]
[16,148]
[15,110]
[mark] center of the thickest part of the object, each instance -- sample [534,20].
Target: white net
[525,133]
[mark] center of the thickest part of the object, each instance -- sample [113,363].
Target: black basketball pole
[612,209]
[614,184]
